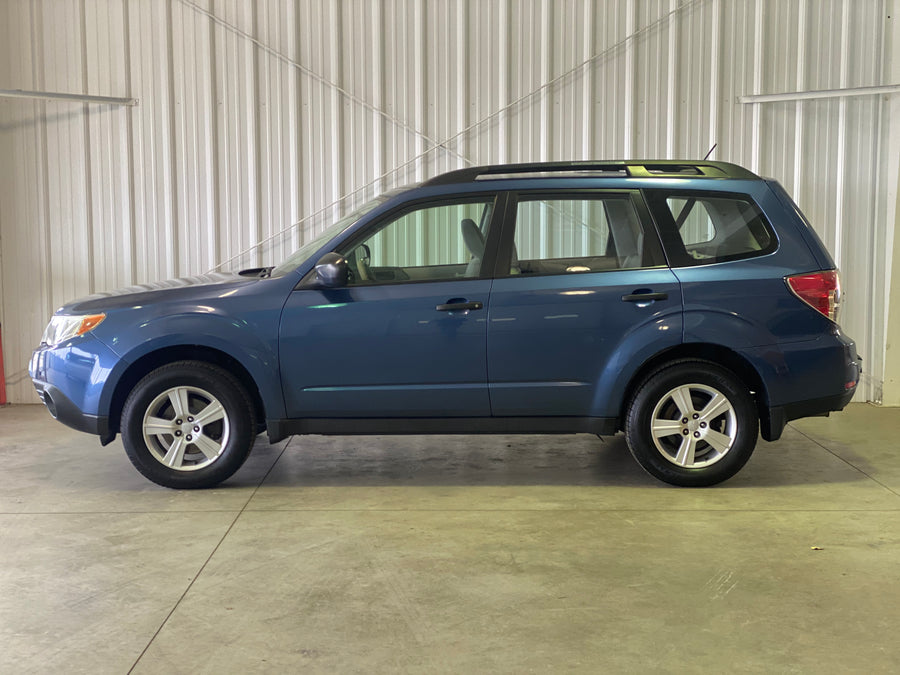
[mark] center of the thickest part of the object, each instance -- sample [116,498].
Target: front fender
[253,345]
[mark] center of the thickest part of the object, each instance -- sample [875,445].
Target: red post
[2,374]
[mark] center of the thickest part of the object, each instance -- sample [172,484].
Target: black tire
[716,439]
[181,451]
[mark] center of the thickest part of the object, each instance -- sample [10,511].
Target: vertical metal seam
[587,127]
[419,96]
[714,77]
[840,167]
[43,179]
[879,297]
[88,150]
[757,85]
[504,47]
[131,232]
[672,80]
[378,149]
[298,120]
[337,117]
[629,68]
[212,234]
[545,77]
[174,225]
[462,70]
[256,121]
[419,80]
[321,144]
[798,106]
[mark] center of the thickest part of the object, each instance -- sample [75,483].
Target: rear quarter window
[704,228]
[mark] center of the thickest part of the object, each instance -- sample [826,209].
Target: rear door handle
[459,306]
[644,297]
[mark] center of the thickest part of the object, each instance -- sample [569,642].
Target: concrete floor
[452,555]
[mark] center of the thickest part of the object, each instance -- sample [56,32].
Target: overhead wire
[404,125]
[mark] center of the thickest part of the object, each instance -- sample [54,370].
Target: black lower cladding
[779,416]
[346,426]
[62,409]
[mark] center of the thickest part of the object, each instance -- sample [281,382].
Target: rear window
[588,233]
[710,228]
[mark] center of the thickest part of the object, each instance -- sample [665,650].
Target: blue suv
[689,304]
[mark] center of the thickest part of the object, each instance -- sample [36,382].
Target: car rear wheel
[188,424]
[692,424]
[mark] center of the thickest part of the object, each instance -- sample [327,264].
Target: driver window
[432,243]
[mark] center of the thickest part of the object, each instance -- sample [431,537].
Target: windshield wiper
[261,272]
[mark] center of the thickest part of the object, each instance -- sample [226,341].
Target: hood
[185,288]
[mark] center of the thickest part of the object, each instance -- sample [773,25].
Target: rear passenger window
[566,236]
[717,229]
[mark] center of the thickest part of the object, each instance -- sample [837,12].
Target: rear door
[582,297]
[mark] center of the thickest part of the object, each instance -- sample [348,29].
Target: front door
[407,336]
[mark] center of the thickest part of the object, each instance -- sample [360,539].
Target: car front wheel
[692,424]
[188,424]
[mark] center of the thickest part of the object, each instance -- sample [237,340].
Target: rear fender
[636,348]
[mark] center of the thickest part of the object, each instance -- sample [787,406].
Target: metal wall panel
[258,122]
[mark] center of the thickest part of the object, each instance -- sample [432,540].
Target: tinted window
[430,243]
[718,228]
[565,236]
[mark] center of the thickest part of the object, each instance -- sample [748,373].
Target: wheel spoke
[179,400]
[208,446]
[719,441]
[682,399]
[685,456]
[156,426]
[663,428]
[211,413]
[175,454]
[717,405]
[174,433]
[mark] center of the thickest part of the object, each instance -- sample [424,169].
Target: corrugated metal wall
[258,121]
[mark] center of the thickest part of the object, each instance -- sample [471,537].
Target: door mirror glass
[332,271]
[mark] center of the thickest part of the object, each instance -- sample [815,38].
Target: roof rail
[630,168]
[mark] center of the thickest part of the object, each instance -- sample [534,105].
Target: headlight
[62,328]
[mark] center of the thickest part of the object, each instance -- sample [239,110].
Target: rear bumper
[779,416]
[846,364]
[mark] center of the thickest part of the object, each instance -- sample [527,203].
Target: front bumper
[61,408]
[70,379]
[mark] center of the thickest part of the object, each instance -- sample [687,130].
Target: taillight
[819,290]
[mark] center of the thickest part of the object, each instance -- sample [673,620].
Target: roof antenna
[710,151]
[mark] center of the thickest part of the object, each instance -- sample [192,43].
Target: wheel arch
[165,355]
[710,353]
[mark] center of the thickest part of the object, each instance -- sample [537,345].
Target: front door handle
[644,297]
[459,306]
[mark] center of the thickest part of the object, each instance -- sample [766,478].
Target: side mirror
[332,270]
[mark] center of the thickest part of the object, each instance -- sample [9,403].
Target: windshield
[302,253]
